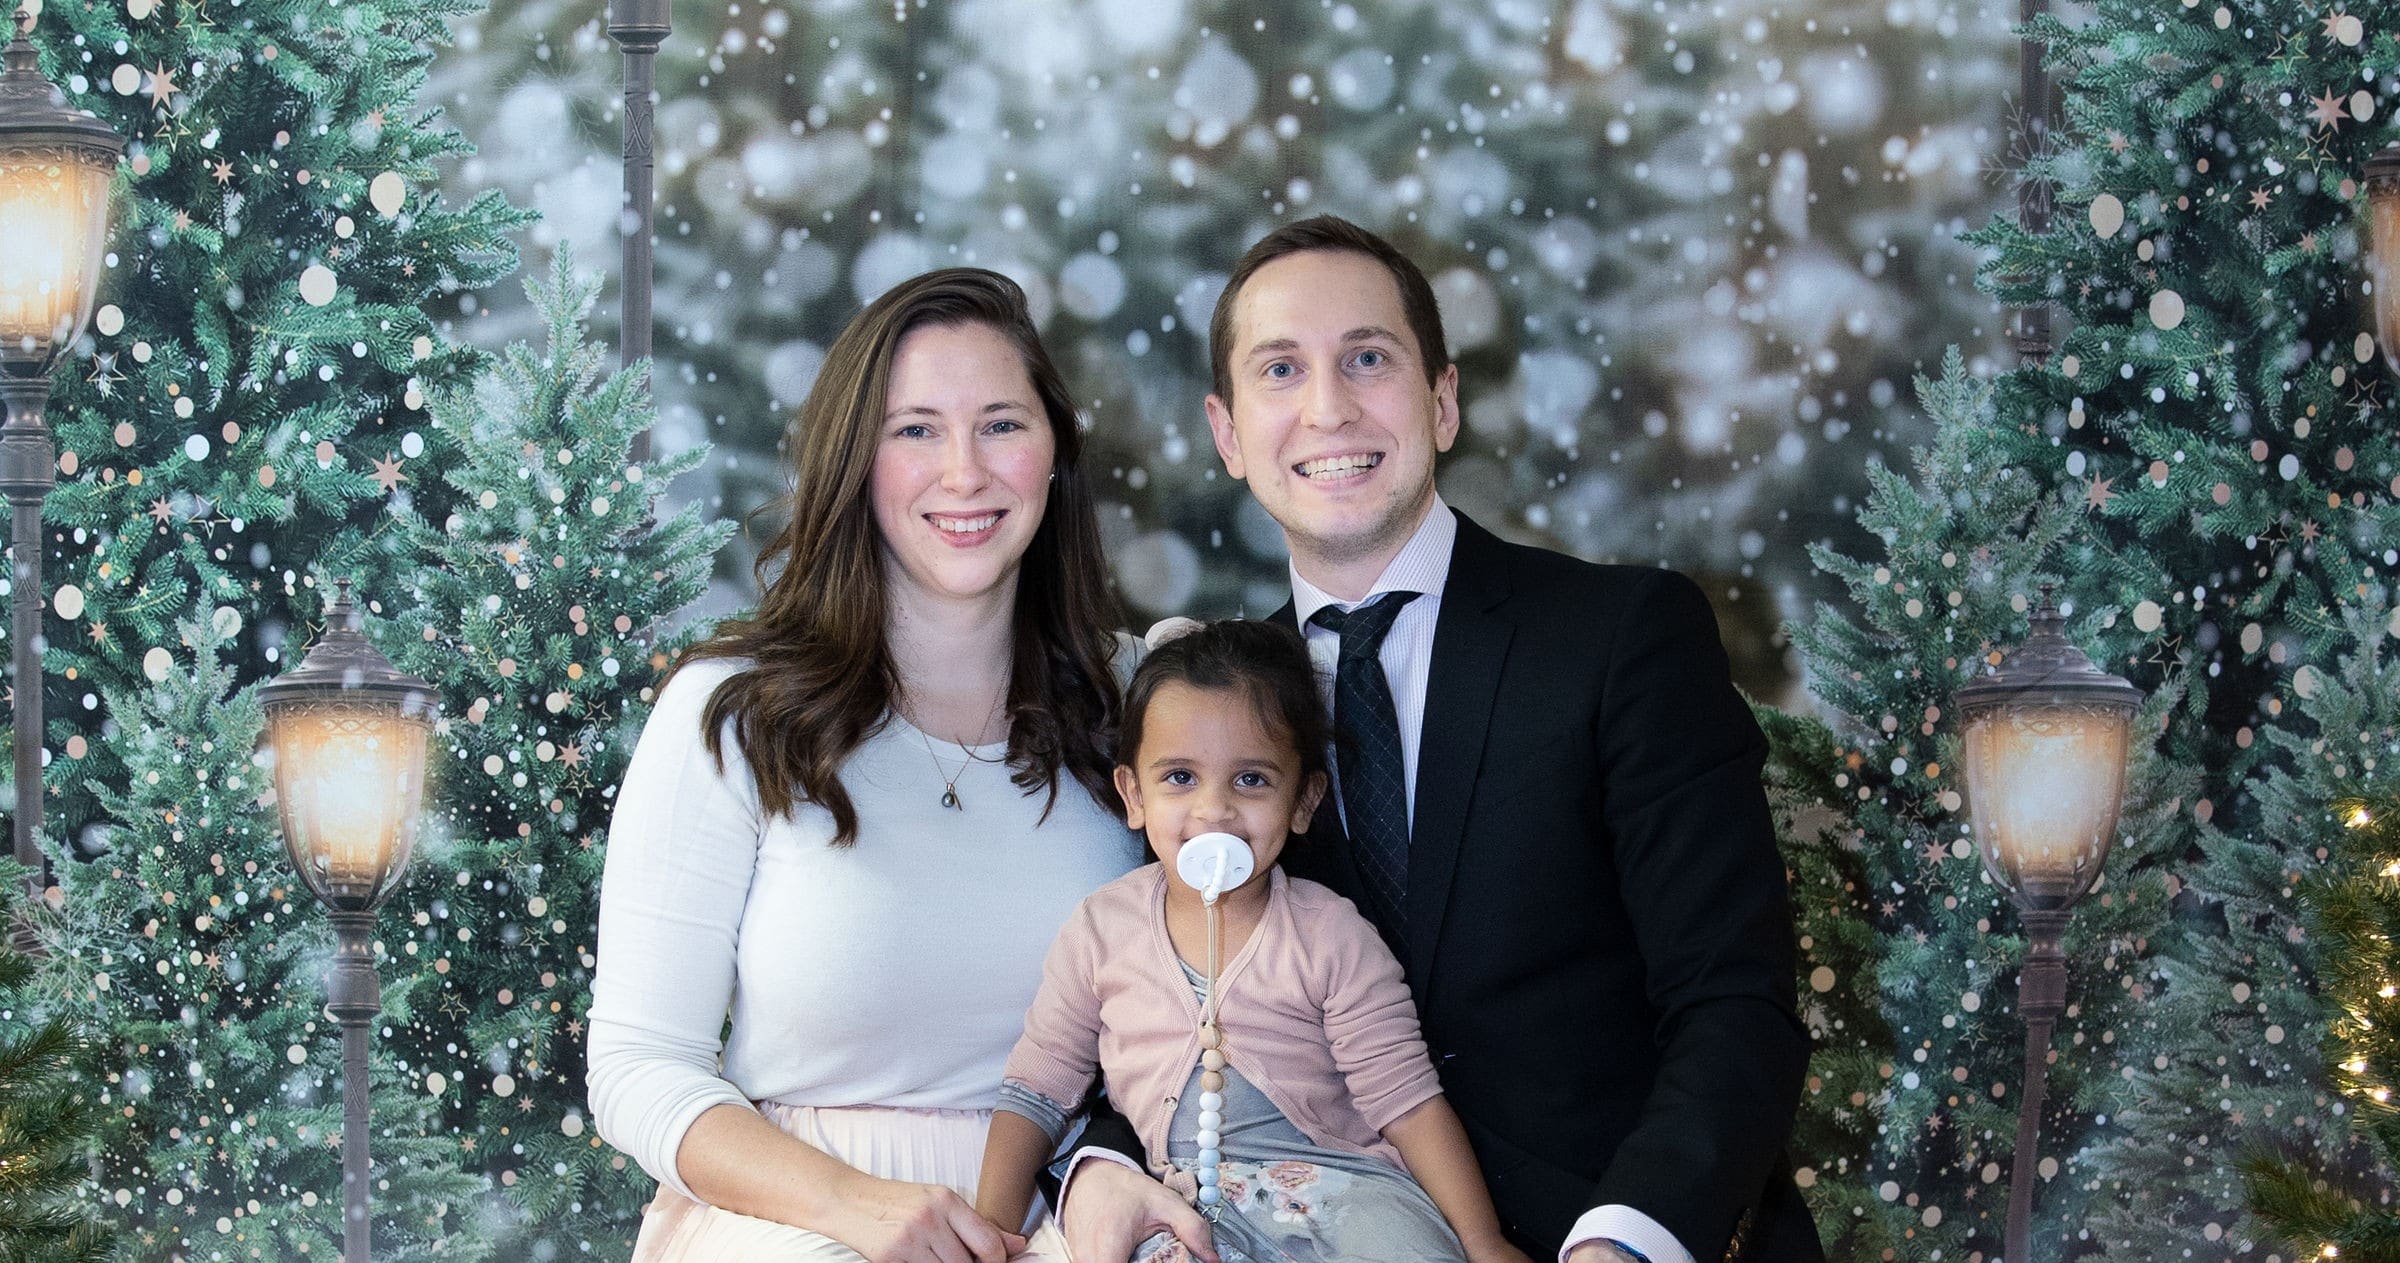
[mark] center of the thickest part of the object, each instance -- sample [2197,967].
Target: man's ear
[1129,788]
[1445,408]
[1304,809]
[1229,444]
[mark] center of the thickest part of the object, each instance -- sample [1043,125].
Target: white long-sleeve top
[894,972]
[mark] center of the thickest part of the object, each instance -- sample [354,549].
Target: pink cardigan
[1313,1010]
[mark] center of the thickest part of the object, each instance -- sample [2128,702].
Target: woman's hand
[893,1221]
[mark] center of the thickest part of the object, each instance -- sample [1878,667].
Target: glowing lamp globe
[2047,739]
[55,167]
[349,734]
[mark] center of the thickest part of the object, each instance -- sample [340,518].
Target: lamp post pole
[28,469]
[2033,195]
[354,995]
[638,27]
[2041,997]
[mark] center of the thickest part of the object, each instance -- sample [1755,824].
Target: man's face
[1331,421]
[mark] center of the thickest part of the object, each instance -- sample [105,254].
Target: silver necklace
[949,780]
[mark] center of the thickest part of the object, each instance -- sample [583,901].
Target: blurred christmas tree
[1684,250]
[1964,539]
[2325,1187]
[260,360]
[192,951]
[535,610]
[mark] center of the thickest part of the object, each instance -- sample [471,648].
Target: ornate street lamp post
[55,167]
[349,735]
[638,27]
[2047,739]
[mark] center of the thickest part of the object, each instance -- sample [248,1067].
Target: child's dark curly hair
[1266,662]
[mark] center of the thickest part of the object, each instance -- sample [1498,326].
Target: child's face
[1209,765]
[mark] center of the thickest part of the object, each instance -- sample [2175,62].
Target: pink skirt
[925,1146]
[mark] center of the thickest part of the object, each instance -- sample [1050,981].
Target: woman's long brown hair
[824,679]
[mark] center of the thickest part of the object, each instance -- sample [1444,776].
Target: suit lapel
[1470,642]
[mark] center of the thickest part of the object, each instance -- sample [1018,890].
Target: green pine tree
[537,609]
[49,1115]
[194,953]
[1964,539]
[1833,912]
[2325,1182]
[266,339]
[2218,399]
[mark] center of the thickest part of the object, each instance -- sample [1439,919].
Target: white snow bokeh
[1688,256]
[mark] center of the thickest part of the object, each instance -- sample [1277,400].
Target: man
[1546,797]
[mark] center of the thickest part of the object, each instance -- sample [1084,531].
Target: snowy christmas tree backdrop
[1724,281]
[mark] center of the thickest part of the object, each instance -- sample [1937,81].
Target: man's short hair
[1328,232]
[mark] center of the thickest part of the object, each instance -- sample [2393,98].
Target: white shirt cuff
[1626,1226]
[1086,1154]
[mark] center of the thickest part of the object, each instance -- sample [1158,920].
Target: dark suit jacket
[1598,932]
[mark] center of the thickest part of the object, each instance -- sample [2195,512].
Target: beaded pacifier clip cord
[1212,863]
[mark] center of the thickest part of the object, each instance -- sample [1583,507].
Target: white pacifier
[1213,863]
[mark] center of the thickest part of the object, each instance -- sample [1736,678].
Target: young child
[1327,1102]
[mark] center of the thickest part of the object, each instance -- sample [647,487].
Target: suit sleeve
[1704,891]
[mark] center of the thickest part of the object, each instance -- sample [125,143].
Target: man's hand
[1598,1252]
[1115,1208]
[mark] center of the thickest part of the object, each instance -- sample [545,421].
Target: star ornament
[2259,199]
[387,474]
[162,85]
[2328,111]
[2096,493]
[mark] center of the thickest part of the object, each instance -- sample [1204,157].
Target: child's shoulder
[1131,894]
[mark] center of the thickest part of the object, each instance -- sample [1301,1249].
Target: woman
[871,806]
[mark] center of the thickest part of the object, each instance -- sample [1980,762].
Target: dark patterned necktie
[1366,730]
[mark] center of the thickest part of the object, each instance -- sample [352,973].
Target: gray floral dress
[1289,1200]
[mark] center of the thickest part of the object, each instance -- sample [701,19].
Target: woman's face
[962,470]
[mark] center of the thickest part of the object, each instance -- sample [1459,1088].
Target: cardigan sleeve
[1370,1017]
[682,846]
[1059,1054]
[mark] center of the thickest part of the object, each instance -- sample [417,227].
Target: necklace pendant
[950,800]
